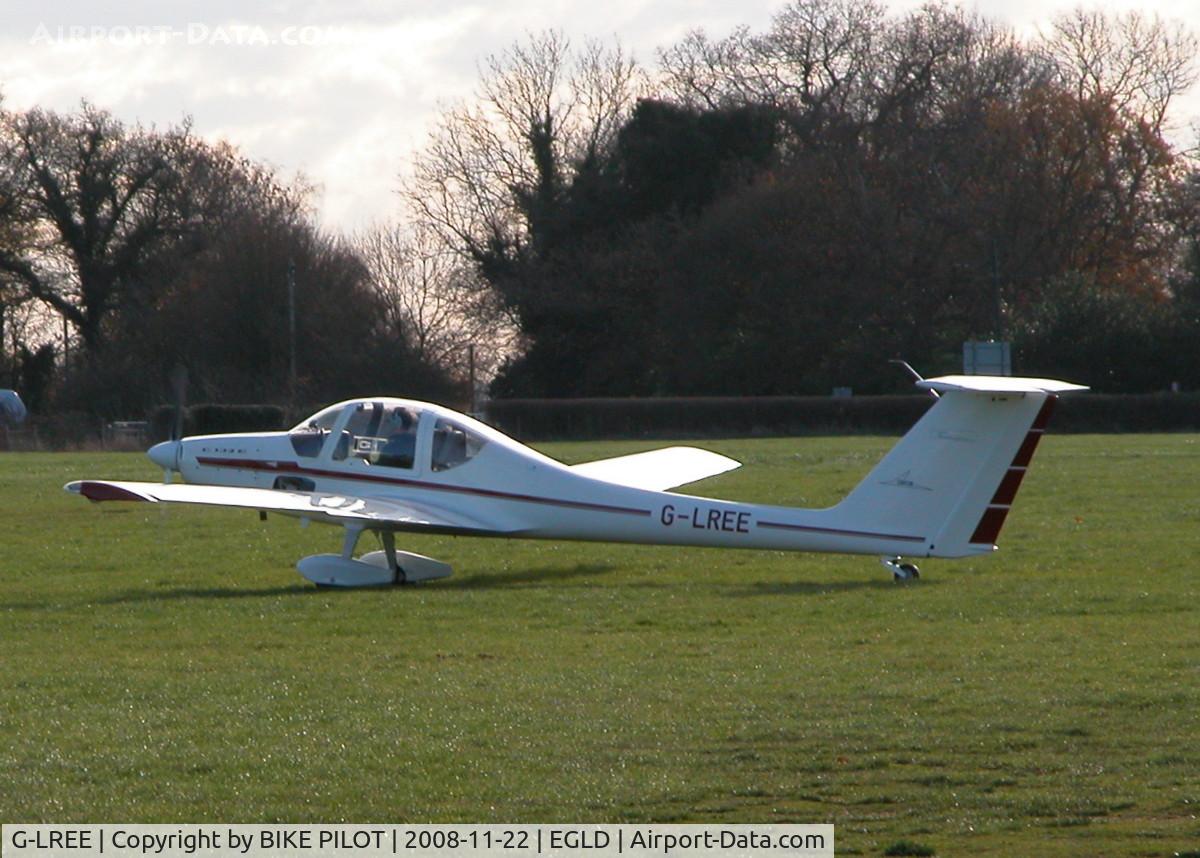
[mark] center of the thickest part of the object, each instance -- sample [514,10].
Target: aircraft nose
[166,455]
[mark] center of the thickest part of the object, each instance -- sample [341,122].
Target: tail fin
[955,474]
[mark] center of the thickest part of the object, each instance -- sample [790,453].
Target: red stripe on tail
[992,520]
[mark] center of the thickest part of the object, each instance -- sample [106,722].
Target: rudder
[953,477]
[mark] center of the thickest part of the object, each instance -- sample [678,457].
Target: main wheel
[906,572]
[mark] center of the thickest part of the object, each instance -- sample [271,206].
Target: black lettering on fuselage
[710,518]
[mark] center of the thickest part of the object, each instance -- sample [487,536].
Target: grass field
[171,665]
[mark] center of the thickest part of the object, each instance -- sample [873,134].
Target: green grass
[162,665]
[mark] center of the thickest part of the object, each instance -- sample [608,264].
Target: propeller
[179,381]
[166,454]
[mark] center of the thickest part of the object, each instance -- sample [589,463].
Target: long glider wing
[375,513]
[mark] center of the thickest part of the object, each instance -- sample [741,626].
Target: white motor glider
[394,465]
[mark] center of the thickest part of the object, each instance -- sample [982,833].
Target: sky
[345,92]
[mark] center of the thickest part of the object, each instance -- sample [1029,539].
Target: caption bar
[416,841]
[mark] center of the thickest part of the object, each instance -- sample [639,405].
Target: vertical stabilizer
[954,476]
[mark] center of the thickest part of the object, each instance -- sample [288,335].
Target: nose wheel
[901,570]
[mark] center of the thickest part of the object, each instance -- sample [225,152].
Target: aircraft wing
[658,469]
[375,513]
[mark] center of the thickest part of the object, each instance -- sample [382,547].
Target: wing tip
[99,490]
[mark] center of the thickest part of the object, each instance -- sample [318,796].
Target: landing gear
[901,571]
[374,569]
[388,538]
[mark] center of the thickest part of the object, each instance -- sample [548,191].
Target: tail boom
[944,490]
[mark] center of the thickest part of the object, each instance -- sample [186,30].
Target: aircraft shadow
[495,580]
[818,588]
[478,581]
[135,596]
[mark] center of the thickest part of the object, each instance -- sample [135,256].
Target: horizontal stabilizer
[998,384]
[659,470]
[375,513]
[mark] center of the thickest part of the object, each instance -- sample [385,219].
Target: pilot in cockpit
[399,427]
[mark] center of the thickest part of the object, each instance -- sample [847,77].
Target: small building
[987,357]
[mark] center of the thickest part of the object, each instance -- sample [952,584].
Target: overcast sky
[345,91]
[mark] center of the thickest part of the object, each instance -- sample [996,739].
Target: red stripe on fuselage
[288,467]
[807,528]
[285,467]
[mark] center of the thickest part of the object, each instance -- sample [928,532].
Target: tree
[226,317]
[494,171]
[505,178]
[15,239]
[815,67]
[437,302]
[671,159]
[968,175]
[1138,65]
[99,200]
[1112,339]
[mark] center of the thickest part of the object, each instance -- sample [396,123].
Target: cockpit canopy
[386,433]
[308,436]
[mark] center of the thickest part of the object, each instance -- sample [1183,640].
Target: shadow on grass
[495,580]
[134,596]
[476,581]
[480,581]
[817,588]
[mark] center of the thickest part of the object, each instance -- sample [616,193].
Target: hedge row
[1148,412]
[715,417]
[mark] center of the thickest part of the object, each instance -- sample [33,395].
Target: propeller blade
[167,453]
[179,381]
